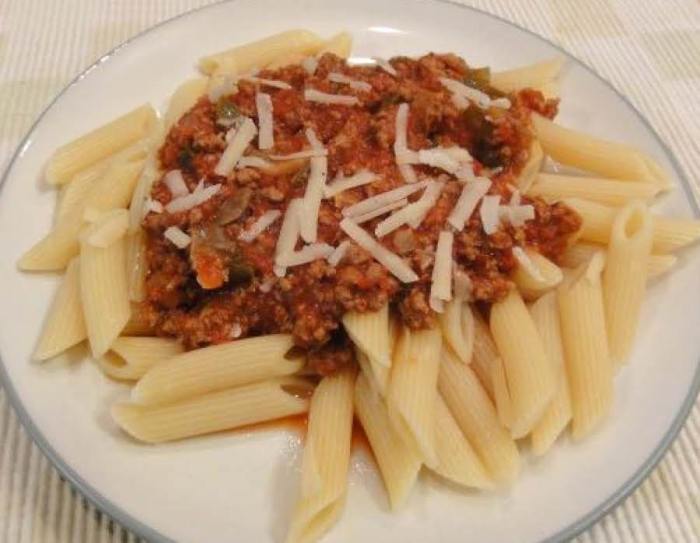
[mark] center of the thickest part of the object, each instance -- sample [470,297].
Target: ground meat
[220,288]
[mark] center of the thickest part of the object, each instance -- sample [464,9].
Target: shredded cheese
[199,196]
[385,65]
[515,198]
[480,98]
[338,253]
[413,213]
[259,226]
[307,254]
[336,77]
[382,199]
[441,279]
[176,183]
[401,134]
[359,219]
[471,195]
[381,254]
[309,153]
[313,95]
[315,143]
[310,64]
[438,158]
[314,191]
[517,215]
[177,237]
[234,151]
[153,206]
[489,213]
[266,137]
[342,183]
[289,233]
[267,82]
[529,266]
[408,173]
[253,162]
[222,85]
[502,103]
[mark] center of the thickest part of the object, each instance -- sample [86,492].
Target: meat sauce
[219,289]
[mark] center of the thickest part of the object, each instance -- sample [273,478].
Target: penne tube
[324,470]
[376,374]
[413,388]
[340,45]
[183,99]
[545,314]
[669,234]
[477,418]
[215,412]
[529,375]
[554,187]
[583,151]
[136,265]
[99,144]
[535,274]
[217,367]
[398,463]
[111,191]
[535,76]
[532,167]
[625,277]
[457,323]
[370,332]
[457,459]
[148,176]
[139,323]
[260,53]
[579,253]
[129,358]
[103,288]
[65,325]
[588,366]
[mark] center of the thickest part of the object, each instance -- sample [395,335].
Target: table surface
[648,50]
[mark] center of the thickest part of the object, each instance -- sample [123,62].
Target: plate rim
[142,530]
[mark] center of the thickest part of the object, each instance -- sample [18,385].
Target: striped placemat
[649,50]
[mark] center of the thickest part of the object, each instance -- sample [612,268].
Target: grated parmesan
[199,196]
[153,206]
[308,221]
[342,183]
[267,82]
[338,253]
[289,233]
[259,226]
[489,213]
[359,219]
[309,153]
[502,103]
[408,173]
[517,215]
[266,137]
[413,213]
[310,65]
[385,65]
[382,199]
[336,77]
[176,183]
[471,195]
[480,98]
[313,95]
[177,237]
[253,162]
[240,140]
[381,254]
[438,158]
[307,254]
[441,279]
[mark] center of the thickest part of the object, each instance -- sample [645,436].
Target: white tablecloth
[648,49]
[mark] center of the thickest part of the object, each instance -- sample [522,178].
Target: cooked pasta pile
[300,235]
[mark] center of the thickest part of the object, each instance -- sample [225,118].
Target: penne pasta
[580,150]
[183,99]
[65,325]
[528,371]
[585,341]
[136,265]
[369,331]
[376,374]
[625,277]
[545,314]
[398,463]
[579,253]
[457,323]
[340,45]
[532,167]
[214,412]
[669,234]
[457,460]
[149,174]
[99,144]
[139,323]
[477,418]
[554,187]
[129,358]
[103,288]
[260,53]
[326,458]
[536,274]
[111,191]
[217,367]
[536,76]
[413,388]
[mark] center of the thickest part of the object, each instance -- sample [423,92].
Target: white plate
[240,486]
